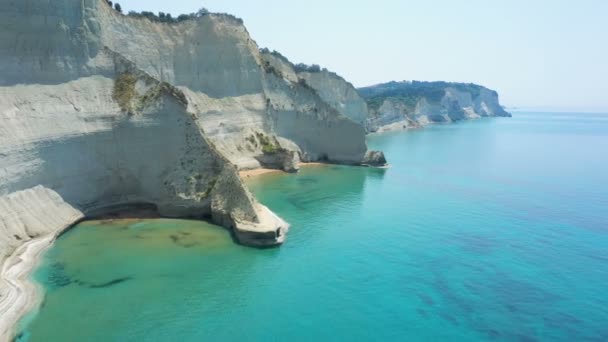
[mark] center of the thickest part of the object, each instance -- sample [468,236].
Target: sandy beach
[21,295]
[258,172]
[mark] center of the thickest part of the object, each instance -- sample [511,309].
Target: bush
[301,67]
[163,17]
[124,91]
[409,93]
[117,7]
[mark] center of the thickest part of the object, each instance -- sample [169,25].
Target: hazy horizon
[545,55]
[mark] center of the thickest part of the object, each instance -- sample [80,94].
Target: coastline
[244,174]
[22,295]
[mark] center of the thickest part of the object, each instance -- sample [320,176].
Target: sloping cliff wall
[398,105]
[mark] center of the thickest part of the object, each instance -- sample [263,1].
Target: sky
[545,54]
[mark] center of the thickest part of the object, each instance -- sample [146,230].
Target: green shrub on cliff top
[167,18]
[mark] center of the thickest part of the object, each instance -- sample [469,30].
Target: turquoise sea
[494,229]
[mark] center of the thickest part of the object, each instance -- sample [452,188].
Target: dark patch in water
[471,287]
[19,337]
[57,276]
[477,244]
[307,181]
[564,322]
[111,283]
[422,313]
[182,240]
[43,302]
[492,334]
[597,256]
[525,338]
[426,299]
[189,245]
[519,293]
[450,296]
[449,318]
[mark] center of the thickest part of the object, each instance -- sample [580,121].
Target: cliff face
[248,110]
[399,105]
[298,111]
[100,110]
[338,92]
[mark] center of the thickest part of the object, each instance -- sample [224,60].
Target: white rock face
[298,112]
[231,88]
[32,213]
[338,93]
[405,105]
[106,110]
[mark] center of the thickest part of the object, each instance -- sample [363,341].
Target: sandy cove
[22,295]
[258,172]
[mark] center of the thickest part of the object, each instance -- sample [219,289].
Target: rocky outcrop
[374,158]
[400,105]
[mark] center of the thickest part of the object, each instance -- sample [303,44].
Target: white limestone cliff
[196,97]
[402,105]
[99,111]
[105,110]
[337,92]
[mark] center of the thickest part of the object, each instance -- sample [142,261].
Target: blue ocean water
[495,229]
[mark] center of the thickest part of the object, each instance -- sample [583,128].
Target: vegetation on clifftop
[409,93]
[301,67]
[163,17]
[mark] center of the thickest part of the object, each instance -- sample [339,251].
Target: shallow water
[491,229]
